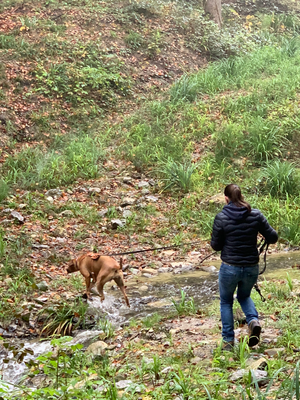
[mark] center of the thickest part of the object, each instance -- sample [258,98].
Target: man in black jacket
[235,232]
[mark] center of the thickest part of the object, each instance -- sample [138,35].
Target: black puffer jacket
[235,233]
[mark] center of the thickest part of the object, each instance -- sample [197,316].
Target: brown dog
[101,269]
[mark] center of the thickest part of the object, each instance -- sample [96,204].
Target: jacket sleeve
[267,231]
[217,237]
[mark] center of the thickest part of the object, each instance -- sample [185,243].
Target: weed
[281,178]
[134,40]
[61,319]
[151,320]
[184,306]
[178,175]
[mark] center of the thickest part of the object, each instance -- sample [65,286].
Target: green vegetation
[92,93]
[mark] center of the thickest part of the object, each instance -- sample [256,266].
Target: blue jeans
[230,278]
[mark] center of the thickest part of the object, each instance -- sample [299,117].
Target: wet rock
[118,223]
[210,268]
[274,352]
[143,184]
[43,286]
[97,348]
[123,384]
[54,192]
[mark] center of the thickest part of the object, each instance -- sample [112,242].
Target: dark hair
[233,192]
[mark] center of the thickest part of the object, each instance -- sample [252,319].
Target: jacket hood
[234,212]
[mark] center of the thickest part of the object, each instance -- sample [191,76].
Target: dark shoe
[254,332]
[227,346]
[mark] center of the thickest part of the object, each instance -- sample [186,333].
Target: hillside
[121,123]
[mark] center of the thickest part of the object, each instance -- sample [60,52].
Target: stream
[147,296]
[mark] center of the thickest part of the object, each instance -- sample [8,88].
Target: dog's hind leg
[119,281]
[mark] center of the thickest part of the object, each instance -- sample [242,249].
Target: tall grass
[281,178]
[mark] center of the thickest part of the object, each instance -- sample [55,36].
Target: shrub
[281,178]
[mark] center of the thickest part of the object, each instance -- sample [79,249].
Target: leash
[264,247]
[154,249]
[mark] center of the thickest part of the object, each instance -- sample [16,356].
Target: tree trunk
[213,7]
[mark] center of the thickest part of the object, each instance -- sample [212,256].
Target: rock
[164,270]
[134,271]
[54,193]
[218,199]
[210,268]
[67,213]
[141,205]
[103,212]
[8,281]
[43,286]
[82,383]
[260,364]
[18,216]
[40,246]
[166,370]
[274,352]
[50,199]
[151,198]
[257,375]
[117,223]
[147,275]
[6,222]
[149,271]
[123,384]
[41,299]
[127,179]
[7,210]
[127,213]
[166,344]
[143,288]
[85,338]
[145,191]
[128,201]
[94,190]
[195,360]
[143,184]
[97,348]
[151,182]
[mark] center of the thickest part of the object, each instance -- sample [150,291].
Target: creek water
[149,295]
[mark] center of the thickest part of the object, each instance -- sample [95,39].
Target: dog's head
[72,266]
